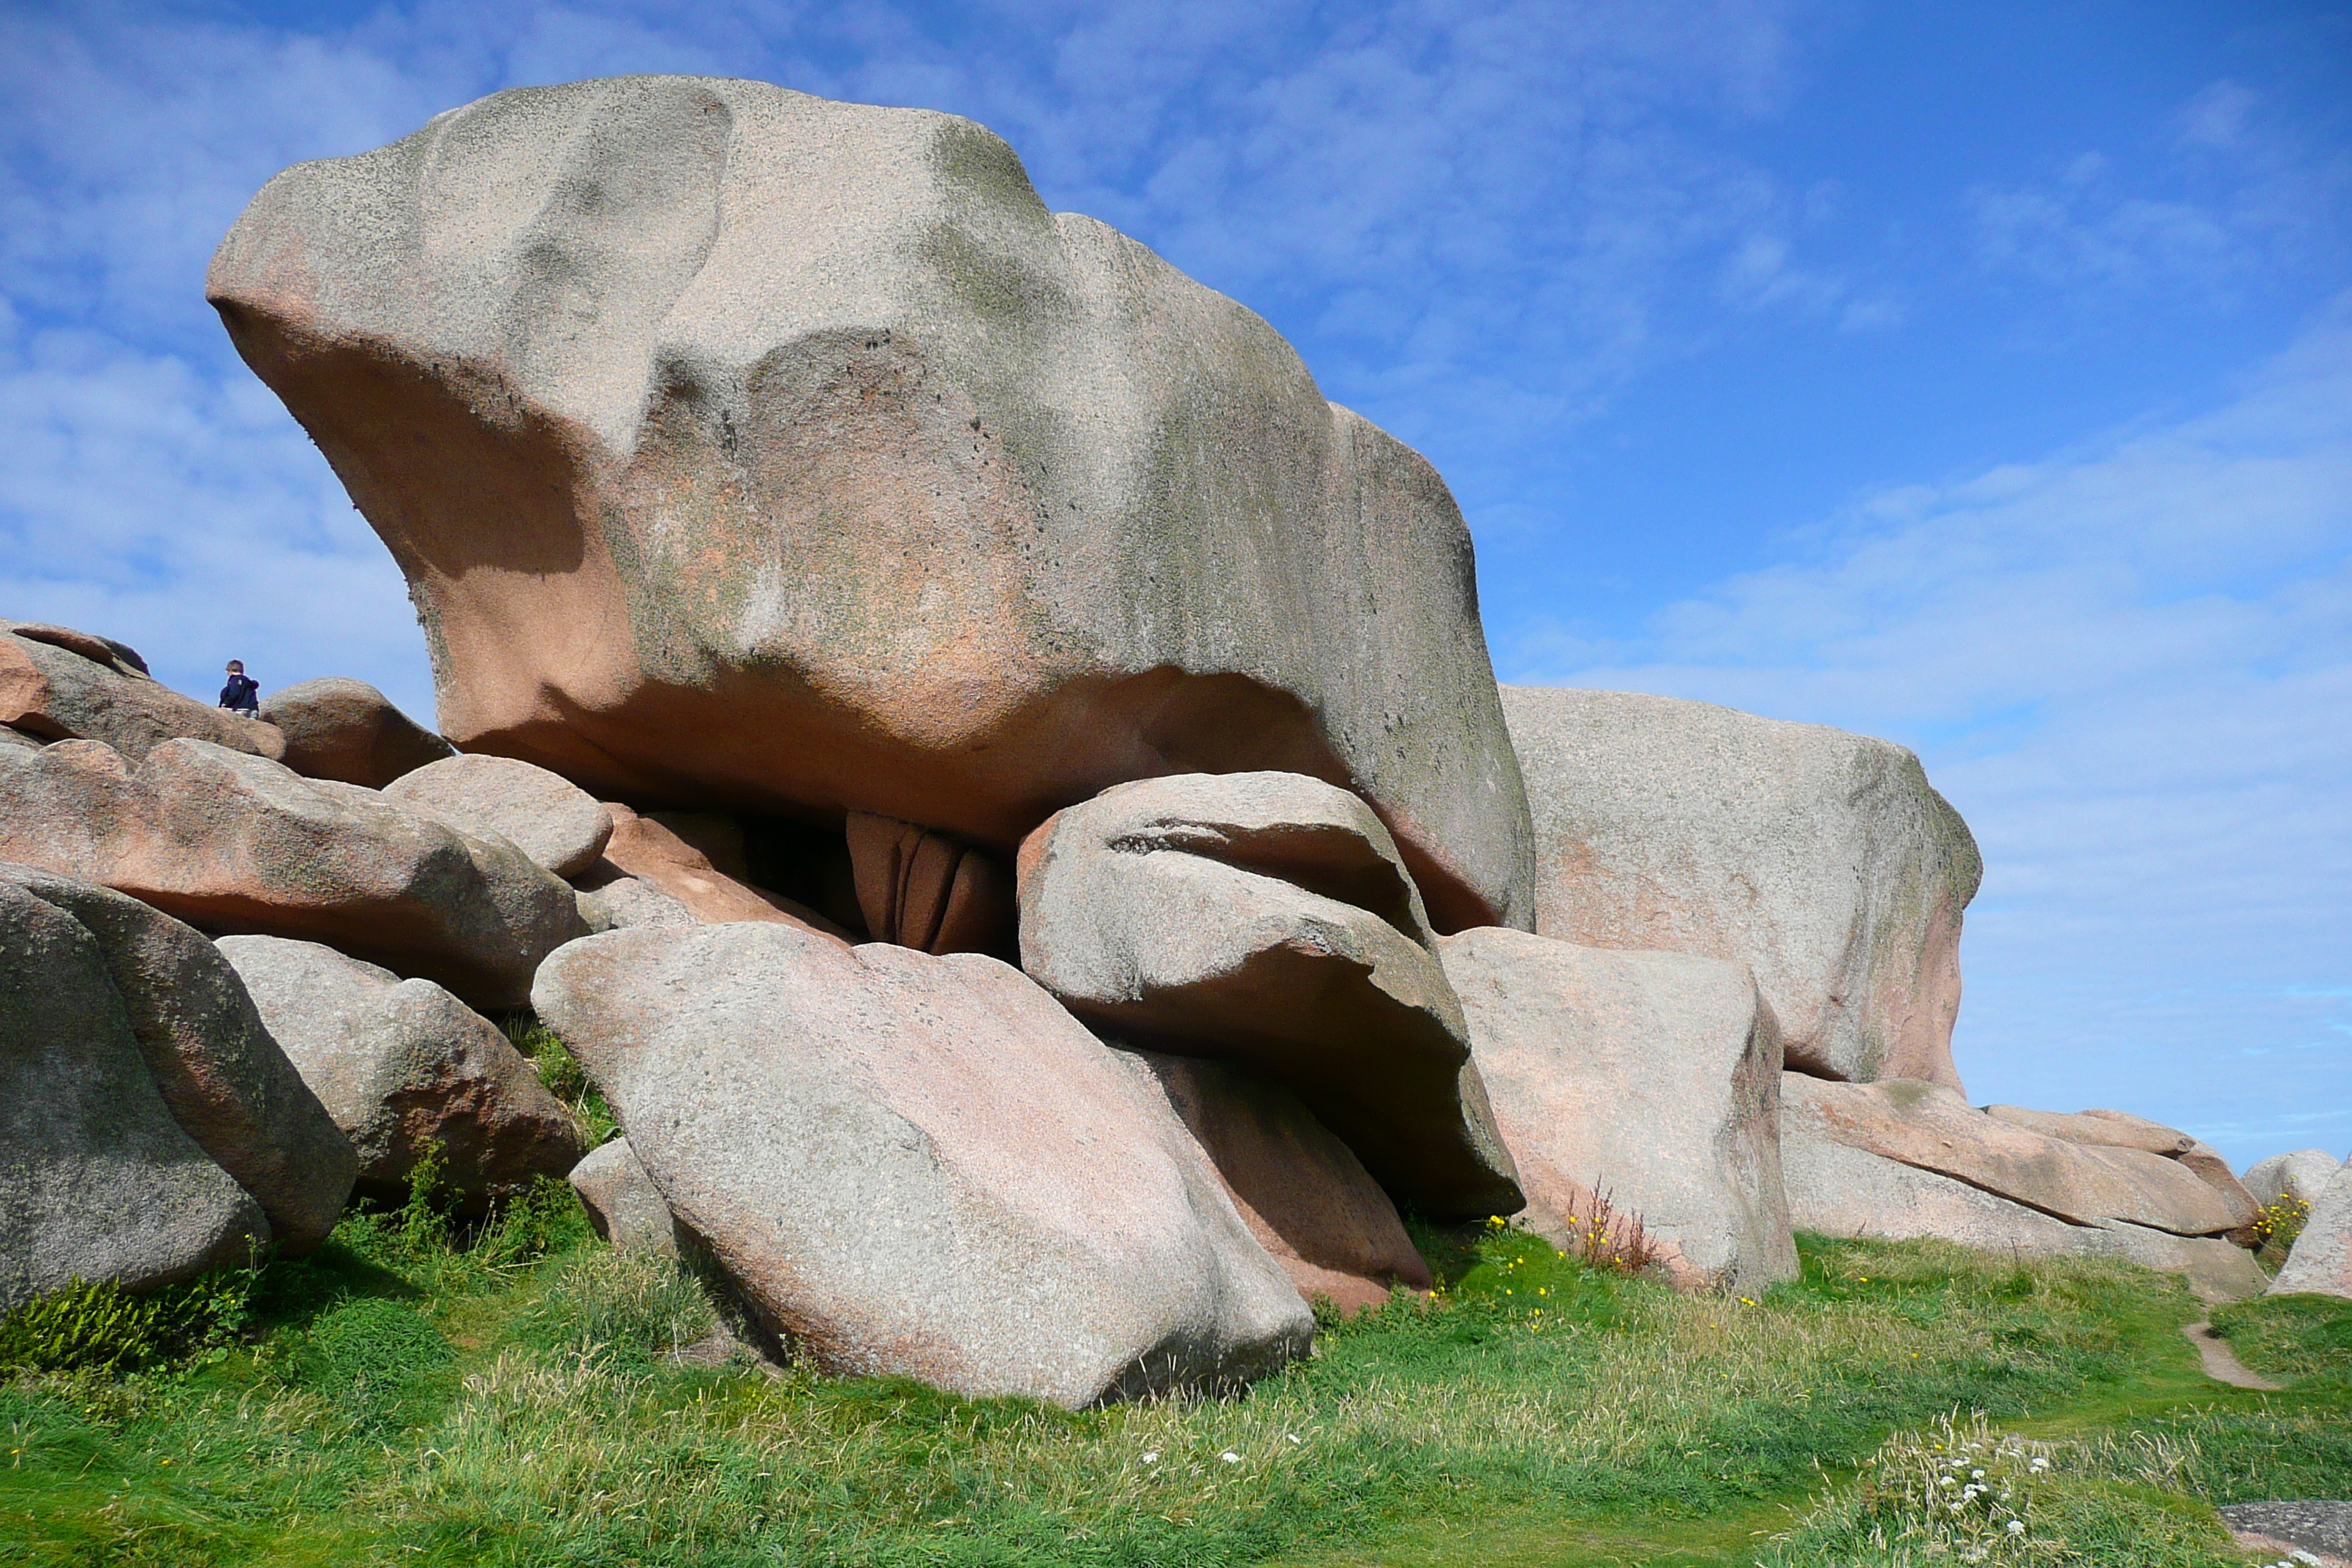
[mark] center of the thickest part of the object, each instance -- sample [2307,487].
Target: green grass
[415,1395]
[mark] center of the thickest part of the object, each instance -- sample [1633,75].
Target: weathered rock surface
[1303,1193]
[547,817]
[226,1081]
[1837,1190]
[2321,1258]
[2122,1129]
[1267,919]
[921,1165]
[404,1067]
[1821,859]
[235,843]
[2304,1173]
[621,1200]
[348,731]
[926,891]
[15,746]
[97,1180]
[1855,1158]
[62,685]
[1652,1078]
[678,883]
[744,448]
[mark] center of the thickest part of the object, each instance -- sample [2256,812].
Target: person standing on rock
[241,694]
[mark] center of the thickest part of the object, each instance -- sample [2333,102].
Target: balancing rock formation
[843,575]
[746,449]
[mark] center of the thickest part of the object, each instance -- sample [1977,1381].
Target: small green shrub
[560,1071]
[2292,1338]
[104,1327]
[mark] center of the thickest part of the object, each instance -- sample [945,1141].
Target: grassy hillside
[410,1397]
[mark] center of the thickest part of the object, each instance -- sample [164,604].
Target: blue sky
[1978,376]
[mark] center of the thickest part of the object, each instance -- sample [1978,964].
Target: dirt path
[2221,1361]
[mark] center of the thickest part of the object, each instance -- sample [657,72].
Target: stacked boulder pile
[998,782]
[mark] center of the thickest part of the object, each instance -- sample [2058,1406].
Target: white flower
[2017,1527]
[1292,1436]
[1150,1458]
[1946,1481]
[1230,1458]
[1976,1474]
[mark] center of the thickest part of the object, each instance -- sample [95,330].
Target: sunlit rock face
[745,449]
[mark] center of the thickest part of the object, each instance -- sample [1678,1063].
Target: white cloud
[2131,666]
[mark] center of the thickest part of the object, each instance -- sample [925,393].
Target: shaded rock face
[225,1079]
[622,1203]
[1268,920]
[1306,1198]
[922,1166]
[56,684]
[97,1179]
[349,731]
[743,448]
[1821,860]
[651,875]
[2303,1174]
[1651,1078]
[555,822]
[1905,1158]
[235,843]
[925,891]
[404,1067]
[2321,1258]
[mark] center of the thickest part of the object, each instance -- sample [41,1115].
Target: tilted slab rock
[97,1180]
[1836,1190]
[926,891]
[349,731]
[1821,860]
[747,450]
[1651,1078]
[676,878]
[2321,1258]
[119,656]
[1933,1128]
[61,693]
[1303,1193]
[405,1068]
[623,1202]
[2122,1129]
[922,1166]
[226,1079]
[2302,1173]
[235,843]
[1267,919]
[547,817]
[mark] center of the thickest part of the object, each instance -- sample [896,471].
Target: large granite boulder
[2321,1259]
[61,685]
[1650,1079]
[230,842]
[1268,919]
[746,450]
[406,1070]
[1822,860]
[97,1180]
[348,731]
[1303,1193]
[547,817]
[1904,1159]
[2122,1129]
[922,1166]
[2302,1175]
[225,1079]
